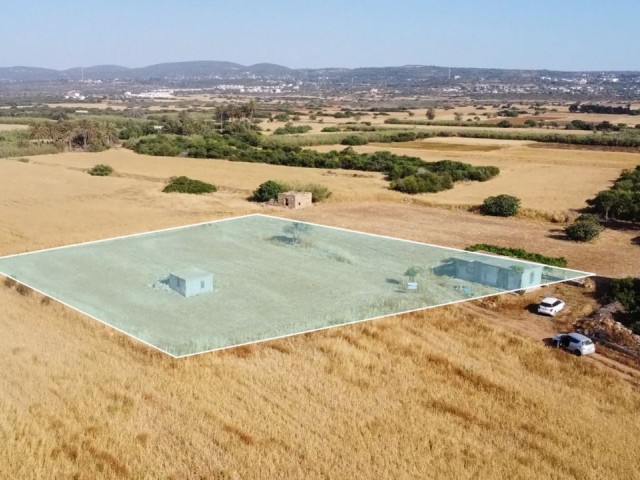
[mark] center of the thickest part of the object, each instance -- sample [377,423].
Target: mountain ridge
[226,69]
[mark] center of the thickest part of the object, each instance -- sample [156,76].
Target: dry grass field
[445,393]
[432,395]
[545,179]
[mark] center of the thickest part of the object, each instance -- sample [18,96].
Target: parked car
[550,306]
[575,343]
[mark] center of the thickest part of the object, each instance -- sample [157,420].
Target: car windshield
[587,342]
[545,304]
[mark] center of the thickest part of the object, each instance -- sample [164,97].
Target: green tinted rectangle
[272,277]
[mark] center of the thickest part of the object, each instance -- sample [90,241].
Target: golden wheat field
[444,393]
[545,179]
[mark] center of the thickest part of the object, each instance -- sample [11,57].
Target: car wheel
[577,353]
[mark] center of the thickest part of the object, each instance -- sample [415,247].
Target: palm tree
[41,131]
[222,113]
[250,109]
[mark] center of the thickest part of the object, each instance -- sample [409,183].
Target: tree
[268,190]
[431,114]
[627,292]
[249,109]
[457,116]
[501,206]
[41,131]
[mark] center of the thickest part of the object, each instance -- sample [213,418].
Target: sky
[533,34]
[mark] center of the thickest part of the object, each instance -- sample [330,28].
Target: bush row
[518,253]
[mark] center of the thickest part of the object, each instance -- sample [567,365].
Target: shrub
[501,206]
[100,170]
[354,140]
[268,190]
[505,124]
[585,229]
[330,129]
[188,185]
[319,192]
[23,290]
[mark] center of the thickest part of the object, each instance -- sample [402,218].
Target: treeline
[628,138]
[333,138]
[622,200]
[601,127]
[518,253]
[406,174]
[455,123]
[603,109]
[631,140]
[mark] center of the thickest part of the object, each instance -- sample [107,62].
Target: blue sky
[559,34]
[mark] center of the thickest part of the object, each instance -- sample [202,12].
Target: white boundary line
[130,236]
[88,314]
[584,275]
[368,319]
[587,274]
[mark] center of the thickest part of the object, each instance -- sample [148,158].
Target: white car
[550,306]
[575,343]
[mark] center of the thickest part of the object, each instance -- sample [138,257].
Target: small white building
[295,199]
[191,282]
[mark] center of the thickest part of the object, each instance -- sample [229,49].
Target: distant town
[171,80]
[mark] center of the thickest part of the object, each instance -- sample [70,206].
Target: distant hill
[23,74]
[202,70]
[195,69]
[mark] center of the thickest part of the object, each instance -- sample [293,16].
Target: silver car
[575,343]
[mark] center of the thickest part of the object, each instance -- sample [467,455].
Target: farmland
[458,392]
